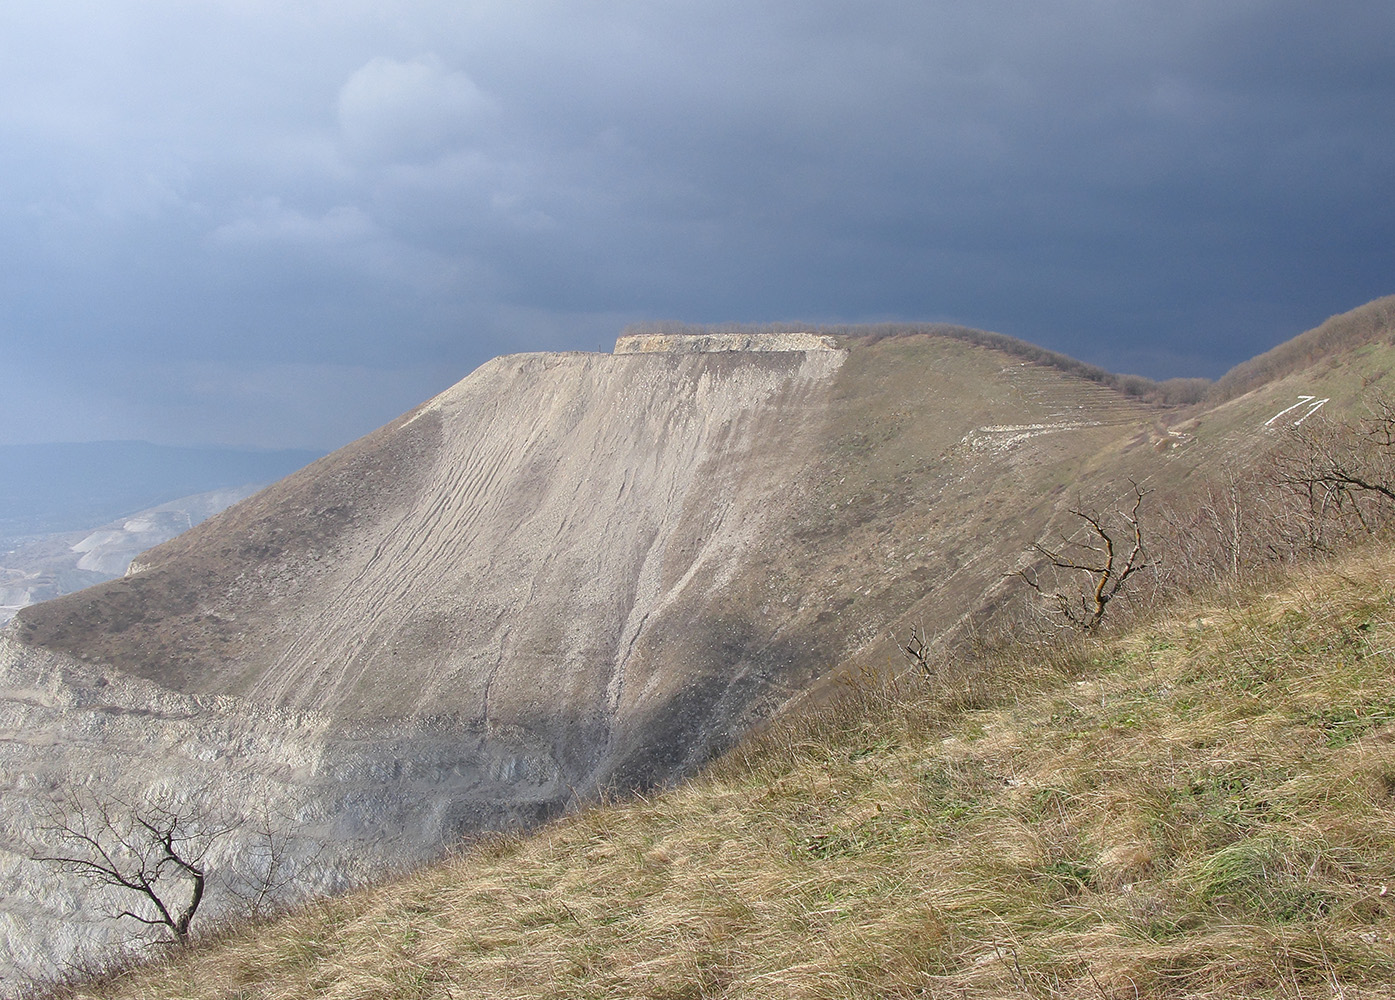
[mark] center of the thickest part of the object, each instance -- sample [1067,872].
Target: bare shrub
[1084,576]
[1345,470]
[1329,484]
[152,852]
[273,867]
[1242,520]
[164,857]
[918,652]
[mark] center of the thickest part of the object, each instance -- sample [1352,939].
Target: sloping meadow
[1203,805]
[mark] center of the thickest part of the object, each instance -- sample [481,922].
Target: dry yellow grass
[1204,806]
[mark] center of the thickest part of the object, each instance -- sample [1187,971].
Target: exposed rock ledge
[713,343]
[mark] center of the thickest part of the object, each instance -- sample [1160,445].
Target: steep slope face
[540,513]
[618,561]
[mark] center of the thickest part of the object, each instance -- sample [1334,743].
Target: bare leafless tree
[273,864]
[1098,559]
[1225,528]
[151,851]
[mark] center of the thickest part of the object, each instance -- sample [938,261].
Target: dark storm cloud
[247,197]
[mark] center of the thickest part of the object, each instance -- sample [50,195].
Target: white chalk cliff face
[567,572]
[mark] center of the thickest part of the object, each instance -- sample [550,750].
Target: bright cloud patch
[414,110]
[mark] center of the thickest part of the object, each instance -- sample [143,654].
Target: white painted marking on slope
[1000,437]
[1312,402]
[1311,410]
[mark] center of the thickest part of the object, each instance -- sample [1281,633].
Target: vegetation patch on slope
[1202,806]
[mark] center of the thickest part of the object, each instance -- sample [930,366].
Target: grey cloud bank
[282,224]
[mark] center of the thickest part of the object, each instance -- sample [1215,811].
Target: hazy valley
[74,515]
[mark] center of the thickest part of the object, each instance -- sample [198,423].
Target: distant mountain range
[48,488]
[40,567]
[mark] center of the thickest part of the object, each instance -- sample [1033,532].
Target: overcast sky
[280,223]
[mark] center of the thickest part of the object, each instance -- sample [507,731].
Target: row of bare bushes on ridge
[1330,484]
[1368,324]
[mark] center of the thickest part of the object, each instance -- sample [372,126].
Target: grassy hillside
[1363,328]
[1202,806]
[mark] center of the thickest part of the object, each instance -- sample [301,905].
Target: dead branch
[1098,559]
[917,653]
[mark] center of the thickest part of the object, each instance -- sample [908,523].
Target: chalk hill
[573,571]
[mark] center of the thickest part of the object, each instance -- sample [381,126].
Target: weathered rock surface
[345,801]
[714,343]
